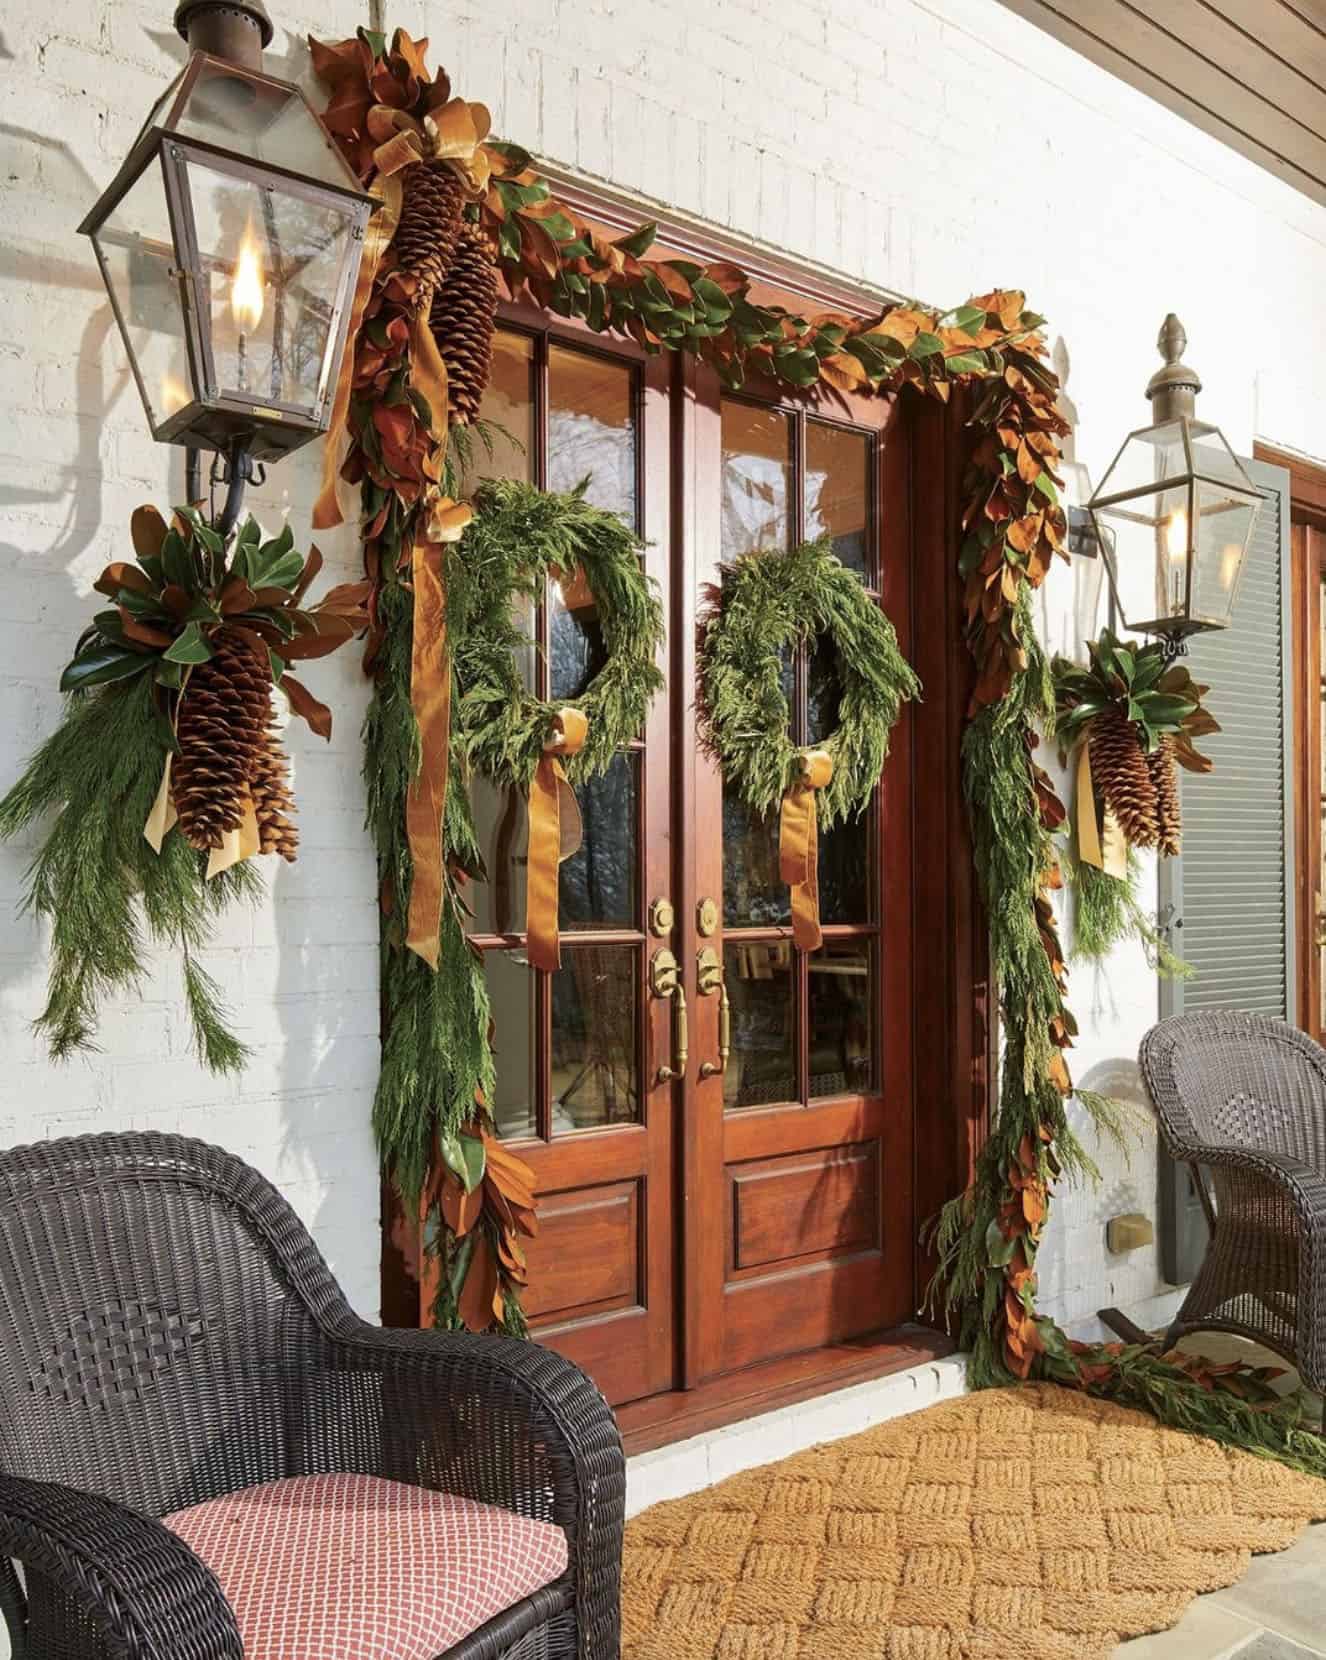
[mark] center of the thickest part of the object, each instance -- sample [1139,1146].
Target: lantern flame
[1176,535]
[246,291]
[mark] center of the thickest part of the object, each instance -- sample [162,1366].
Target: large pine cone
[1160,764]
[222,723]
[464,309]
[272,800]
[1119,768]
[425,241]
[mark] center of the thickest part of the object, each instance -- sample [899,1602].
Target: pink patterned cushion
[354,1568]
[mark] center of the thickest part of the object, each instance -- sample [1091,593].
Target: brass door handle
[680,1038]
[711,1069]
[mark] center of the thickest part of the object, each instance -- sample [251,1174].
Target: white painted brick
[874,138]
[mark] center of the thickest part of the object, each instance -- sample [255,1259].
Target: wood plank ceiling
[1251,72]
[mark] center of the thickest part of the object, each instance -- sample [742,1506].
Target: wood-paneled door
[798,1226]
[577,1090]
[705,1214]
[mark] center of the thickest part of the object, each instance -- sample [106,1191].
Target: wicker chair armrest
[1305,1187]
[146,1592]
[514,1424]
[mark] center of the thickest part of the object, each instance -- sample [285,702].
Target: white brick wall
[938,148]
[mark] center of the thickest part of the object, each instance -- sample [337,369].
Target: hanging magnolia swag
[168,770]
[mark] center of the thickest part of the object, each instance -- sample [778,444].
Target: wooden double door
[721,1125]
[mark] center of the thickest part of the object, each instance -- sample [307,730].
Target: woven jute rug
[1015,1524]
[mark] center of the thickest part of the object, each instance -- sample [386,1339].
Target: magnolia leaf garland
[766,603]
[166,772]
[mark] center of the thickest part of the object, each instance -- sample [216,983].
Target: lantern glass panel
[1224,527]
[1148,536]
[267,120]
[137,255]
[269,269]
[1148,457]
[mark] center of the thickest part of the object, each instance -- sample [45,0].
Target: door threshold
[679,1414]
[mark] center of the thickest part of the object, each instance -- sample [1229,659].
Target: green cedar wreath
[770,601]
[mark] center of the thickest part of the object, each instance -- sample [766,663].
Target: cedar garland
[1014,526]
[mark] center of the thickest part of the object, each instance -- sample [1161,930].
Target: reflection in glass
[598,884]
[575,637]
[757,472]
[754,895]
[762,1065]
[511,991]
[838,492]
[841,1000]
[508,408]
[591,428]
[595,1065]
[824,692]
[501,825]
[844,871]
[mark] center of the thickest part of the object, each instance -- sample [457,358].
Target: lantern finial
[1173,390]
[234,30]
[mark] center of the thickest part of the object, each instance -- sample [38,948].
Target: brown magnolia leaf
[537,248]
[460,1210]
[176,599]
[143,632]
[333,631]
[312,565]
[306,706]
[1029,466]
[148,531]
[477,1295]
[844,371]
[122,575]
[236,595]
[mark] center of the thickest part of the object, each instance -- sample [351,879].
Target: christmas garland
[767,602]
[513,228]
[166,772]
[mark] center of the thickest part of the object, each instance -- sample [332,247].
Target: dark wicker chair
[169,1333]
[1244,1097]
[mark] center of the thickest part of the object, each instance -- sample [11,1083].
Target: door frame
[952,1030]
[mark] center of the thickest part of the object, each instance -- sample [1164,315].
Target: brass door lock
[661,918]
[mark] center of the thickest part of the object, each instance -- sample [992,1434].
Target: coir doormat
[1014,1524]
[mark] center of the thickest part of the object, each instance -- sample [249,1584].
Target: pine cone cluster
[464,308]
[1160,764]
[1140,789]
[430,224]
[222,727]
[269,785]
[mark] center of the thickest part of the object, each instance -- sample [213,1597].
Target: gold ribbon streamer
[241,843]
[377,239]
[798,847]
[430,698]
[555,833]
[1100,841]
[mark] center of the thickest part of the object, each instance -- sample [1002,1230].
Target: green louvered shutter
[1229,899]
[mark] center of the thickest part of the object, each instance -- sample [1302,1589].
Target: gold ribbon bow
[430,698]
[798,847]
[1100,841]
[555,833]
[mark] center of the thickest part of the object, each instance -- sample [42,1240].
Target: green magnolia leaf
[169,674]
[560,228]
[278,666]
[1047,487]
[966,363]
[281,571]
[998,1249]
[191,647]
[925,345]
[476,1161]
[639,242]
[177,562]
[969,318]
[100,664]
[1163,710]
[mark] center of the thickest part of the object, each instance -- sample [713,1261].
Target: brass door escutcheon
[665,981]
[708,972]
[706,918]
[661,918]
[663,973]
